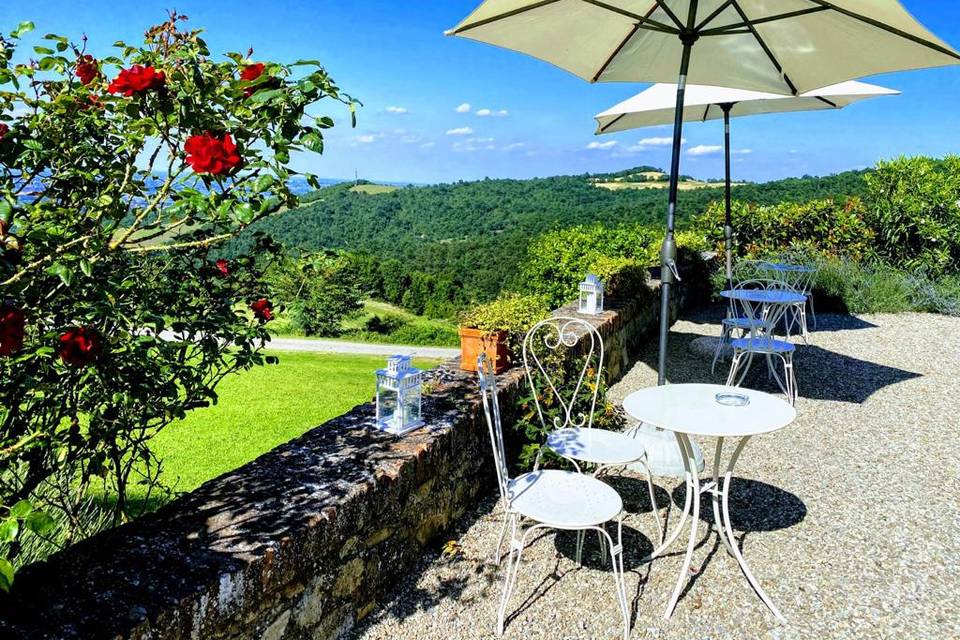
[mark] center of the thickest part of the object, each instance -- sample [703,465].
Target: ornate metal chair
[763,315]
[745,271]
[549,499]
[571,434]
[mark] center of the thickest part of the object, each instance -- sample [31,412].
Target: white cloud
[367,138]
[484,140]
[658,142]
[513,146]
[459,131]
[397,110]
[463,108]
[704,150]
[742,152]
[428,145]
[489,113]
[610,144]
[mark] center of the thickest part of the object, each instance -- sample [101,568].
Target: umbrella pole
[668,251]
[727,223]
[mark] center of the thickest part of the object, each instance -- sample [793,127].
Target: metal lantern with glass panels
[398,396]
[591,295]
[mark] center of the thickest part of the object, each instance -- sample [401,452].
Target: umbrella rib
[713,15]
[726,30]
[888,28]
[671,14]
[766,49]
[643,21]
[604,127]
[829,102]
[616,52]
[706,112]
[502,16]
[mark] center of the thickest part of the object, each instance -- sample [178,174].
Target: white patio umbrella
[655,106]
[787,47]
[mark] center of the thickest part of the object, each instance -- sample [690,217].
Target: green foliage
[557,262]
[915,210]
[514,313]
[838,228]
[107,224]
[319,290]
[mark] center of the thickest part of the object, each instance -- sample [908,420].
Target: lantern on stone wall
[591,295]
[398,396]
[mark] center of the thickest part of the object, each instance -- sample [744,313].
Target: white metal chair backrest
[744,270]
[491,409]
[762,318]
[547,338]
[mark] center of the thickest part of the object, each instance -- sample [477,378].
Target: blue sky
[523,117]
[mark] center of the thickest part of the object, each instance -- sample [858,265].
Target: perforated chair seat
[564,499]
[763,345]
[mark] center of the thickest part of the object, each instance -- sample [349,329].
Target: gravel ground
[849,517]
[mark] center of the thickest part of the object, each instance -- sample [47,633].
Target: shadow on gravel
[821,374]
[636,547]
[754,506]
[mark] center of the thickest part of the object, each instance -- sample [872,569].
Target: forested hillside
[477,232]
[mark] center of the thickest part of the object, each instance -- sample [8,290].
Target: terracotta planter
[473,342]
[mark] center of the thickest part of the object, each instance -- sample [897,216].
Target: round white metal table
[696,410]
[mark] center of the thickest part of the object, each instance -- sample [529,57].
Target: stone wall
[300,543]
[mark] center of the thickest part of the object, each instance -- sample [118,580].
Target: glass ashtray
[732,399]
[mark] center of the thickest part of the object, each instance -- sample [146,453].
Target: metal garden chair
[549,499]
[763,314]
[750,271]
[571,432]
[794,275]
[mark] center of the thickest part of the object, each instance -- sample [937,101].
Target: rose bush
[120,175]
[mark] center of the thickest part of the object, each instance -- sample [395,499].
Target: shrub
[318,292]
[835,228]
[915,211]
[384,325]
[113,195]
[512,312]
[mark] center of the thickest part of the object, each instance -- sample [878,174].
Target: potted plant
[497,328]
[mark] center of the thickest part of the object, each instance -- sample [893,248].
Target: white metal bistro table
[715,411]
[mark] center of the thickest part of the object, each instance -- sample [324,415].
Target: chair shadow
[636,547]
[821,374]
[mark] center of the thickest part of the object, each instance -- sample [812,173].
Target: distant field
[261,409]
[689,185]
[413,329]
[373,189]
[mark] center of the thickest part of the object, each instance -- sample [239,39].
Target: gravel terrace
[849,517]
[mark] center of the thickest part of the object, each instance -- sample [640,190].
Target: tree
[118,178]
[320,290]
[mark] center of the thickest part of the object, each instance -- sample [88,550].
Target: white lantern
[398,396]
[591,295]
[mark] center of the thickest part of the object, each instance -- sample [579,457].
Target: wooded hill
[477,232]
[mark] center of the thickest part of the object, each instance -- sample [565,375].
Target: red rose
[11,330]
[87,69]
[4,130]
[137,79]
[223,267]
[80,346]
[262,309]
[250,73]
[210,154]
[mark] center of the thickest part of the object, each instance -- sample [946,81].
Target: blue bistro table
[764,309]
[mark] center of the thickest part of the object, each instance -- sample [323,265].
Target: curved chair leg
[580,536]
[734,365]
[802,307]
[791,377]
[653,498]
[691,465]
[513,568]
[616,559]
[813,314]
[507,519]
[688,478]
[724,338]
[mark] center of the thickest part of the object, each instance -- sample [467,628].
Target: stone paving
[849,518]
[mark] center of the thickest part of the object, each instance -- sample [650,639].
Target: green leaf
[9,529]
[6,574]
[41,523]
[44,51]
[61,271]
[86,267]
[22,28]
[313,141]
[265,96]
[21,509]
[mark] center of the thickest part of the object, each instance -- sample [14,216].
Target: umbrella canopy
[656,106]
[787,46]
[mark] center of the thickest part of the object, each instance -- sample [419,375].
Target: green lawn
[262,408]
